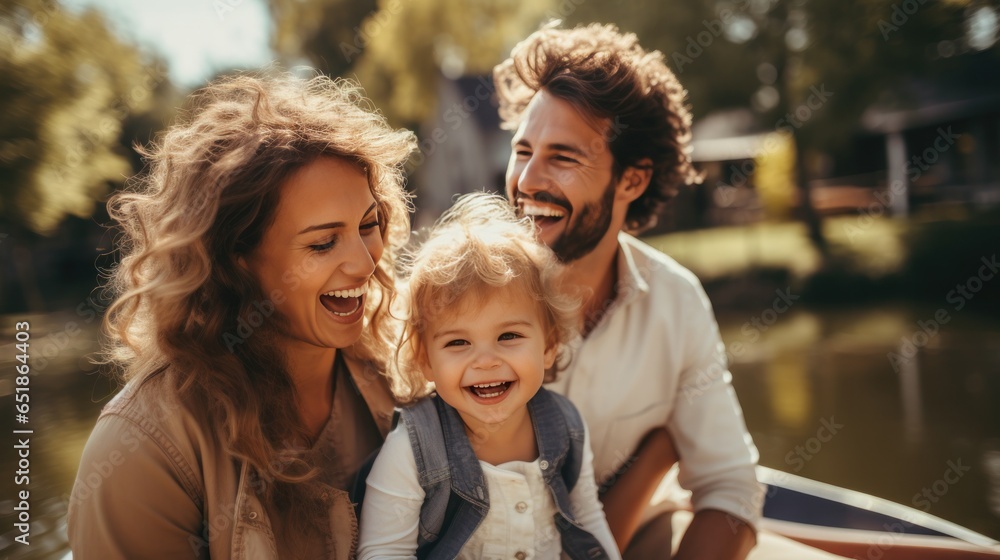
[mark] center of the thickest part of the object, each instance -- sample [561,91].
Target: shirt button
[253,515]
[544,464]
[520,555]
[521,507]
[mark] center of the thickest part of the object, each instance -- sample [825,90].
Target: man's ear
[635,179]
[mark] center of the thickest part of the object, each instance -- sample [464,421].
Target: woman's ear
[635,179]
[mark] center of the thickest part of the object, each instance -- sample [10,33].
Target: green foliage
[68,84]
[399,49]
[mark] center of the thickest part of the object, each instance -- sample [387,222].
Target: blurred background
[847,230]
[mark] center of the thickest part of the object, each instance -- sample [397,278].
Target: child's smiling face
[488,357]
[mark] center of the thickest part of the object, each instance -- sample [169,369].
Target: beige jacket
[155,483]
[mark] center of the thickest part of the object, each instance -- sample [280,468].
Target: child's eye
[509,336]
[458,342]
[324,247]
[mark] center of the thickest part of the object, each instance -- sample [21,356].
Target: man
[600,144]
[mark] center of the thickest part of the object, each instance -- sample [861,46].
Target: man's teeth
[356,292]
[531,210]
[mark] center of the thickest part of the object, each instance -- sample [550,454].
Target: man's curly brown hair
[607,75]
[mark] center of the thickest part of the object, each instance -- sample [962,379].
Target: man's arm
[714,534]
[629,496]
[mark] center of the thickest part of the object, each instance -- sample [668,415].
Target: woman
[250,327]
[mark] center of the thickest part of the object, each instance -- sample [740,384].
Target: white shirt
[656,359]
[518,526]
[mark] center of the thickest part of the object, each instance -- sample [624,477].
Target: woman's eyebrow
[333,225]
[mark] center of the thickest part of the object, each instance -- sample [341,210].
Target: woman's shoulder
[150,418]
[153,403]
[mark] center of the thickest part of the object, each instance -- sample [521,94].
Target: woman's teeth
[356,292]
[347,313]
[344,303]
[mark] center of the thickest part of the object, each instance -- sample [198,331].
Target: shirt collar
[630,279]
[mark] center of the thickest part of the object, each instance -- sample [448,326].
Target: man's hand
[628,498]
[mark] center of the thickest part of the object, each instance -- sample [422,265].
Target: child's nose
[486,360]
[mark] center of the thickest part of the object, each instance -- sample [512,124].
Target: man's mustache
[543,197]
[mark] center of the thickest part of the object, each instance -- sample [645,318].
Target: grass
[872,245]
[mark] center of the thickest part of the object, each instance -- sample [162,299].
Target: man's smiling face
[560,174]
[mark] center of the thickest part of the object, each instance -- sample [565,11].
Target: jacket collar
[374,389]
[467,478]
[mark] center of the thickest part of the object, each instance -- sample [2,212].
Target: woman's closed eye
[324,247]
[370,227]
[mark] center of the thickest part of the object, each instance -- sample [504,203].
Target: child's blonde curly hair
[477,247]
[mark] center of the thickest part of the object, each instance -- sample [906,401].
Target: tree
[399,50]
[808,67]
[68,84]
[328,33]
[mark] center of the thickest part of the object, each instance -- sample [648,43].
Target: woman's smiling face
[316,259]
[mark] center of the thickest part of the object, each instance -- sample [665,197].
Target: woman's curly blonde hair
[210,192]
[478,248]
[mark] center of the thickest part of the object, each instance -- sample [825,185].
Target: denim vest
[457,497]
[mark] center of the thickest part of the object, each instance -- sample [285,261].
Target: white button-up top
[518,526]
[656,359]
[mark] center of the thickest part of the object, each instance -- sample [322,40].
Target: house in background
[462,148]
[942,151]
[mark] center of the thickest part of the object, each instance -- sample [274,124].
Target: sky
[197,37]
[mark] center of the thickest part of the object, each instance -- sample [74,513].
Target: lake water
[821,395]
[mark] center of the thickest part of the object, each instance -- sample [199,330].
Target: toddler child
[493,465]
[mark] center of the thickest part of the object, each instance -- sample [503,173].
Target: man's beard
[591,223]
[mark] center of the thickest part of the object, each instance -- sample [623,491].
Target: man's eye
[567,159]
[523,153]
